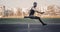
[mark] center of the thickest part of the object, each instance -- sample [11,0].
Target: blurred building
[14,11]
[9,12]
[17,12]
[25,11]
[2,9]
[53,10]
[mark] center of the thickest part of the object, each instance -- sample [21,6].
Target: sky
[28,3]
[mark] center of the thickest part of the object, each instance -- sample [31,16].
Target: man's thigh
[34,17]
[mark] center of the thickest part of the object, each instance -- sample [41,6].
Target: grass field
[27,20]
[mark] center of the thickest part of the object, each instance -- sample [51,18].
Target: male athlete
[32,11]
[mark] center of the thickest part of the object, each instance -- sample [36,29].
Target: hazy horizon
[28,3]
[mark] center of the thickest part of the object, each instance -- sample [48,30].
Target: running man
[32,11]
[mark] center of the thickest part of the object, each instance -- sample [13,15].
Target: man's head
[35,4]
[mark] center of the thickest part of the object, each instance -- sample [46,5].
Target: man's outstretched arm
[40,12]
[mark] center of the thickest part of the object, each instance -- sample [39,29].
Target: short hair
[35,3]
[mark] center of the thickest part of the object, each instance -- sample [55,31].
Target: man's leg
[41,21]
[35,17]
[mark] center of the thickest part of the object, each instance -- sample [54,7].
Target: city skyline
[28,3]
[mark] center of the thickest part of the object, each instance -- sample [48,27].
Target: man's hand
[41,12]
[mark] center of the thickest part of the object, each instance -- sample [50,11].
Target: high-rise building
[2,9]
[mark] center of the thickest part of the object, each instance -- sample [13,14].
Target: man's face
[35,5]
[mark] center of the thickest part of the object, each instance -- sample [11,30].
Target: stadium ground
[29,25]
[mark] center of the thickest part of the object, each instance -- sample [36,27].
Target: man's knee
[37,17]
[26,17]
